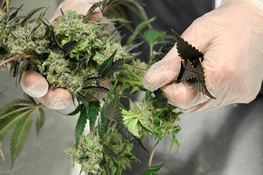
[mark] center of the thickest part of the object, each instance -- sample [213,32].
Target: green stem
[131,82]
[151,51]
[7,7]
[135,76]
[152,153]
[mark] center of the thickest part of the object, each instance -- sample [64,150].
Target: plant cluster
[77,54]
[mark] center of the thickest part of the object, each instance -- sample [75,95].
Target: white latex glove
[35,85]
[231,38]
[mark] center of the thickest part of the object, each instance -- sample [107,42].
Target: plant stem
[135,67]
[17,57]
[131,82]
[136,76]
[152,153]
[151,51]
[7,7]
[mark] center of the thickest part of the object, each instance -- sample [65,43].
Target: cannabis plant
[76,53]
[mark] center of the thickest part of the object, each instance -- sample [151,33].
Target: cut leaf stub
[191,71]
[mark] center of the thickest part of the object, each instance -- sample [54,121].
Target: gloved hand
[35,85]
[231,38]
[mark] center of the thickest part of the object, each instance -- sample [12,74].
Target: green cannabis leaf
[138,30]
[19,113]
[153,169]
[20,135]
[81,124]
[131,121]
[175,131]
[94,108]
[154,37]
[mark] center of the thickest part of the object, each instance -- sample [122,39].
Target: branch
[17,57]
[152,153]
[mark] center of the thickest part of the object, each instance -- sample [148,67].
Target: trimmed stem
[152,153]
[17,57]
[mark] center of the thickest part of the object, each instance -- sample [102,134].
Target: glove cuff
[257,3]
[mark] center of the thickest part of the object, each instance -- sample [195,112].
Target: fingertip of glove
[34,84]
[56,99]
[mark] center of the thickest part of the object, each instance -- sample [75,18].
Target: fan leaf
[199,85]
[138,30]
[9,122]
[94,108]
[81,124]
[185,50]
[40,120]
[196,78]
[76,111]
[20,135]
[191,72]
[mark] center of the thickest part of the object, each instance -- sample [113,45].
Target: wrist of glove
[231,38]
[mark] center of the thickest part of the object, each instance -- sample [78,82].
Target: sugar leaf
[68,47]
[116,66]
[176,130]
[107,63]
[14,14]
[131,121]
[30,14]
[90,11]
